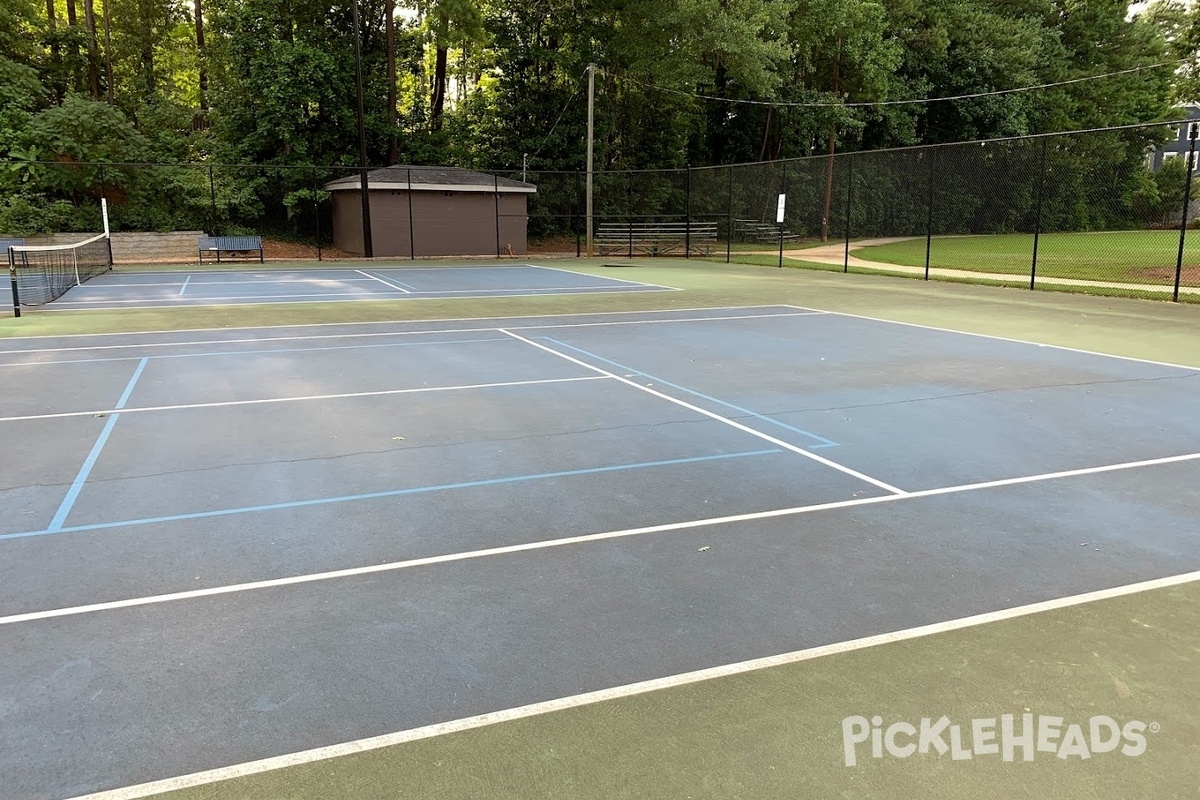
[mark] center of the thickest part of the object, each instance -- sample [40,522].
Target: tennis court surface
[231,545]
[209,287]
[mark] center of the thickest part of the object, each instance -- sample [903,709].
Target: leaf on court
[99,415]
[397,438]
[704,549]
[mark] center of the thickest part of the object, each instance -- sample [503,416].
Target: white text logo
[1008,736]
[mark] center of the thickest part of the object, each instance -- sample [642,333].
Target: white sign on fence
[779,211]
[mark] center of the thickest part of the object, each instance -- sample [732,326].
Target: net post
[107,236]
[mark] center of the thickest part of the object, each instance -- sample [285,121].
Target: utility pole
[368,245]
[591,130]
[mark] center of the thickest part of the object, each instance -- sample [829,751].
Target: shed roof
[431,179]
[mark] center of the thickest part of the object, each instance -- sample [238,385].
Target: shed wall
[347,221]
[443,223]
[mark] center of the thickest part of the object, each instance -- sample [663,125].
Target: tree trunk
[148,68]
[202,62]
[72,23]
[108,70]
[389,25]
[762,151]
[93,69]
[438,102]
[828,204]
[55,59]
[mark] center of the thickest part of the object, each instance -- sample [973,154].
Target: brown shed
[431,211]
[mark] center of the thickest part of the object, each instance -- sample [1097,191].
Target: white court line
[602,277]
[109,284]
[385,283]
[275,351]
[386,322]
[183,288]
[207,298]
[268,400]
[478,329]
[547,544]
[628,690]
[745,428]
[60,306]
[1006,339]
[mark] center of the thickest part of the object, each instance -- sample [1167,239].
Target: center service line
[77,486]
[183,288]
[747,429]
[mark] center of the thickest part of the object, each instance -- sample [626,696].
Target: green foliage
[30,214]
[281,93]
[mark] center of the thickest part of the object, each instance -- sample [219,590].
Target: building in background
[1177,147]
[420,212]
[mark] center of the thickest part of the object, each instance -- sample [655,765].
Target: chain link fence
[1077,212]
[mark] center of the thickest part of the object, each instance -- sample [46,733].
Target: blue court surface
[208,287]
[229,545]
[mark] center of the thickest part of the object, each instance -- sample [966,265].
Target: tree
[389,20]
[93,69]
[202,66]
[450,22]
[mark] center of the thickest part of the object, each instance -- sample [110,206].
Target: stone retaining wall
[134,248]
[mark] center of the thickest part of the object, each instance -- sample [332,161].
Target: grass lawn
[1130,256]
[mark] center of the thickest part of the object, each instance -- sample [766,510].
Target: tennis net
[45,272]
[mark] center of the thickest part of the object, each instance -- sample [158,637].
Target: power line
[915,101]
[546,139]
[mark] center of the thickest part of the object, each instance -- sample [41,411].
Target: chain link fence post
[729,232]
[1037,217]
[629,210]
[1193,131]
[849,210]
[212,202]
[929,211]
[412,241]
[316,189]
[687,220]
[782,199]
